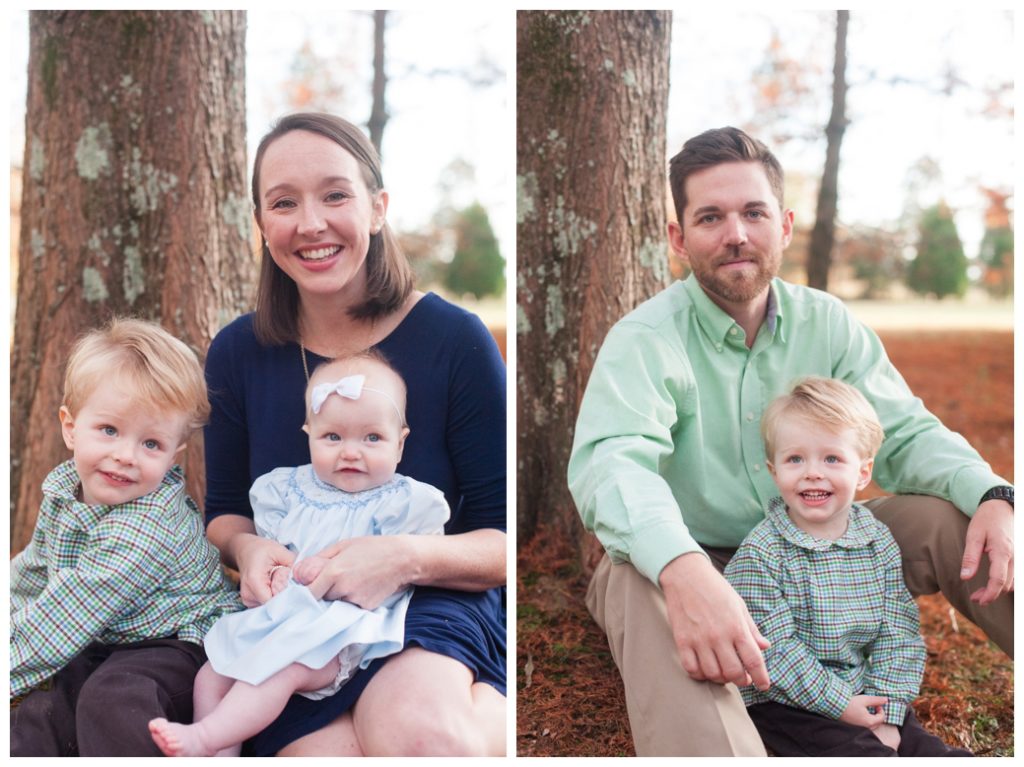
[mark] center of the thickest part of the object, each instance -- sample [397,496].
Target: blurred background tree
[477,267]
[940,266]
[996,251]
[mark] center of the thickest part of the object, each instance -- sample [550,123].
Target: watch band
[999,493]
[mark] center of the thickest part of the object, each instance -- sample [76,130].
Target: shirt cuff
[658,546]
[834,699]
[969,484]
[896,712]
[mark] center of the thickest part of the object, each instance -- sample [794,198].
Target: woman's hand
[364,571]
[306,570]
[256,558]
[279,576]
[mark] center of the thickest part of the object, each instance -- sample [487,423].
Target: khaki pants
[673,715]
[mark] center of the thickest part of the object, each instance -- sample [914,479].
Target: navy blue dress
[456,413]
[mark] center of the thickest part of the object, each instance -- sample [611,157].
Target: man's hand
[717,639]
[858,711]
[991,532]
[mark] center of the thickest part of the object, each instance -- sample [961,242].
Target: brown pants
[670,714]
[100,704]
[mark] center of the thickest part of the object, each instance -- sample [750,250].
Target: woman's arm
[366,571]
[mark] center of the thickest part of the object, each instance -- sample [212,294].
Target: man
[668,468]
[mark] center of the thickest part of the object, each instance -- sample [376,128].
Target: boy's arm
[896,658]
[28,569]
[119,570]
[798,677]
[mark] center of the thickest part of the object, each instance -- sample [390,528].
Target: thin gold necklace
[302,350]
[305,365]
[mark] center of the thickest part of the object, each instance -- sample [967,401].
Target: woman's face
[317,214]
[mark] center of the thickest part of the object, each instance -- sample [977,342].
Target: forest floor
[569,695]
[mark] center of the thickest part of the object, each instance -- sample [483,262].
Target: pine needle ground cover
[569,696]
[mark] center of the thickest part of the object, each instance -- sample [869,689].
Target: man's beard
[738,286]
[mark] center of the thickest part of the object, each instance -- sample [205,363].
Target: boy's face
[356,444]
[818,473]
[122,450]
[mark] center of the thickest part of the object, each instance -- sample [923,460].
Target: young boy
[112,596]
[824,583]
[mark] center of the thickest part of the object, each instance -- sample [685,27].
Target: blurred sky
[715,50]
[892,126]
[434,118]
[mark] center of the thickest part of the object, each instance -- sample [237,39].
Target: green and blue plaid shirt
[111,574]
[838,615]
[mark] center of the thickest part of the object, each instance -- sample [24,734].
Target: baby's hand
[279,579]
[889,734]
[309,568]
[857,711]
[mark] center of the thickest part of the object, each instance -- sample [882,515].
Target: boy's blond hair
[162,371]
[830,402]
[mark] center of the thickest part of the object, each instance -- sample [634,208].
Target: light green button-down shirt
[668,453]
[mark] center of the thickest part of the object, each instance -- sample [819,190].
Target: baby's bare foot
[177,739]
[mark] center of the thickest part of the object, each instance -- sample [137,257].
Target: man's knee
[930,533]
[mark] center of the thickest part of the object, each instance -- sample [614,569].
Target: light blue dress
[294,508]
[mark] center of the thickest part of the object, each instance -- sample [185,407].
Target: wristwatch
[1000,493]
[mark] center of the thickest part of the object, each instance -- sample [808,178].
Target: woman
[332,282]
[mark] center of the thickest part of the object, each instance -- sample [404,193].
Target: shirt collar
[716,323]
[860,530]
[62,485]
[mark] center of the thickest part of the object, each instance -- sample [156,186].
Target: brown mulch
[569,696]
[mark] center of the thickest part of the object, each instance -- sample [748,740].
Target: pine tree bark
[591,106]
[819,259]
[134,204]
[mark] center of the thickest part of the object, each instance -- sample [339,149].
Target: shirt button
[718,347]
[733,331]
[757,467]
[750,416]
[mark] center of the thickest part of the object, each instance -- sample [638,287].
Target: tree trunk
[134,203]
[819,259]
[379,110]
[591,104]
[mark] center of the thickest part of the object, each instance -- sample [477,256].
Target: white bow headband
[349,387]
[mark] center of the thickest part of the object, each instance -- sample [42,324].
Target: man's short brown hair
[715,147]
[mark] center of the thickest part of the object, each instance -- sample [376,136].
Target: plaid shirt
[111,574]
[838,615]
